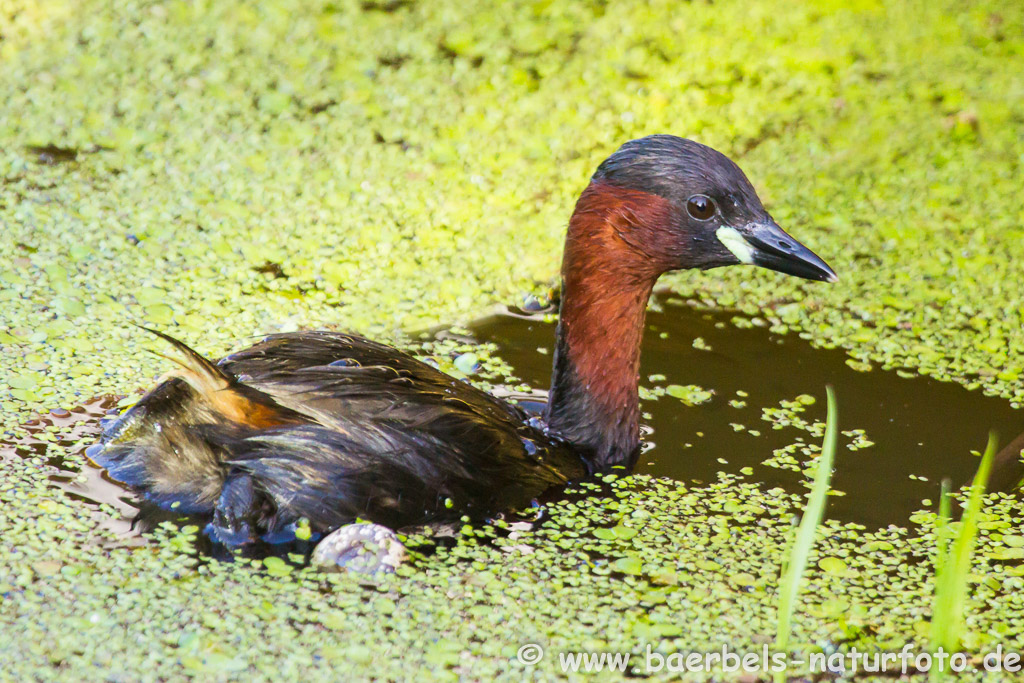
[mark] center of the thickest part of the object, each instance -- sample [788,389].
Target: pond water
[902,434]
[922,430]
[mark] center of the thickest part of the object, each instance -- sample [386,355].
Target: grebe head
[658,204]
[709,214]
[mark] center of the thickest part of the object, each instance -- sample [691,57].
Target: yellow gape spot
[735,243]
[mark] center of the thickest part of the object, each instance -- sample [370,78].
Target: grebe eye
[700,207]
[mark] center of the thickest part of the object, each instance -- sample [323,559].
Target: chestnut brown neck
[613,256]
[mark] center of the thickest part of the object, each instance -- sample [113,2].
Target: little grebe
[333,427]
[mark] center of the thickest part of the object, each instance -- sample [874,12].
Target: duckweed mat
[225,169]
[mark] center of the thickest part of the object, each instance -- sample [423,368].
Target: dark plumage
[332,427]
[366,431]
[674,168]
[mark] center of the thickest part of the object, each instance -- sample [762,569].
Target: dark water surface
[920,427]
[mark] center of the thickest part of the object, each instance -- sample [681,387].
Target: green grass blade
[813,514]
[954,567]
[942,525]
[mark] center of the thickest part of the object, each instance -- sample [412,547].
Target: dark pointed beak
[769,246]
